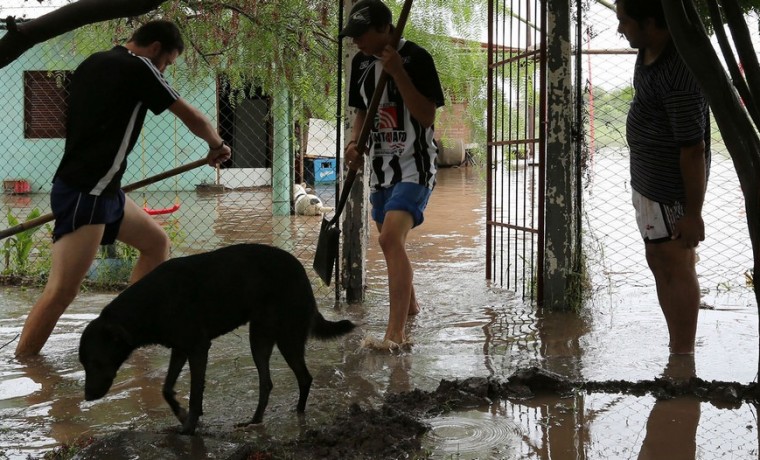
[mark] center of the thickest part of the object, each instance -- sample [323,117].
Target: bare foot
[385,344]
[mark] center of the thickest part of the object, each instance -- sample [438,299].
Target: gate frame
[552,281]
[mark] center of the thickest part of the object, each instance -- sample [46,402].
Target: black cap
[364,14]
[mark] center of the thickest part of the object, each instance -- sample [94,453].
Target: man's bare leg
[414,307]
[139,230]
[71,258]
[673,266]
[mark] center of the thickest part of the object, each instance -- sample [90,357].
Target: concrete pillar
[282,155]
[355,219]
[560,187]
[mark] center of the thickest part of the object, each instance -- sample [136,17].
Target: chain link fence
[617,259]
[249,199]
[624,426]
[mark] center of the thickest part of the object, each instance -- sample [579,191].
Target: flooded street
[466,329]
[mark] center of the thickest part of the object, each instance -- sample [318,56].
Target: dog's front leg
[176,363]
[198,361]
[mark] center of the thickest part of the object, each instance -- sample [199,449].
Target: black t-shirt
[110,93]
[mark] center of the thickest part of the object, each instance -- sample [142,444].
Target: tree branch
[743,42]
[21,37]
[733,67]
[739,134]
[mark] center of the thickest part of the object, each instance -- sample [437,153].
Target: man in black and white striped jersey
[110,94]
[668,133]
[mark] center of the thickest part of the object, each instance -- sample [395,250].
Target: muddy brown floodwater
[489,376]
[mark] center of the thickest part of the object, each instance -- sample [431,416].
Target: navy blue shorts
[403,196]
[73,209]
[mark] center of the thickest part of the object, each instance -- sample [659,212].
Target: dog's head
[103,348]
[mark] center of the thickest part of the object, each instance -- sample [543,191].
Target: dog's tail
[324,329]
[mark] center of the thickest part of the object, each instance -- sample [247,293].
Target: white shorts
[656,220]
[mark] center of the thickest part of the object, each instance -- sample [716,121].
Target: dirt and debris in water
[396,428]
[362,433]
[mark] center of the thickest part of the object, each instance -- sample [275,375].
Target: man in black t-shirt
[110,94]
[401,146]
[667,130]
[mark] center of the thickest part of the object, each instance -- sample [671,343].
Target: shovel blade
[327,251]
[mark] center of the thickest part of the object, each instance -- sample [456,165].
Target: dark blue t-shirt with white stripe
[110,93]
[668,112]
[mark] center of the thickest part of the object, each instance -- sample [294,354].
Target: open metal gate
[516,145]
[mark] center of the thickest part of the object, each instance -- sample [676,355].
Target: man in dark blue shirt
[668,132]
[111,92]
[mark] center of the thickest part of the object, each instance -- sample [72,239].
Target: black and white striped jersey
[401,150]
[668,112]
[110,93]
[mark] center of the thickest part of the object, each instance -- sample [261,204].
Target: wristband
[217,148]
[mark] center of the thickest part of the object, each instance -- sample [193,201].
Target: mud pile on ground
[395,429]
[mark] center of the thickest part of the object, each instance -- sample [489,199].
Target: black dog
[186,302]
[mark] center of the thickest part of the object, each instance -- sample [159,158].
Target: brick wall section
[450,123]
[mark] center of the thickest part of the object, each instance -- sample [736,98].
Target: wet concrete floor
[467,328]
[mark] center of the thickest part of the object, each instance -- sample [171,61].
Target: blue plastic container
[324,171]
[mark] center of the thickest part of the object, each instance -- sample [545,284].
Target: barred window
[45,101]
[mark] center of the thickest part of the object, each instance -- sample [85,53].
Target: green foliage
[18,248]
[116,261]
[293,45]
[579,286]
[111,269]
[119,250]
[610,113]
[176,234]
[747,6]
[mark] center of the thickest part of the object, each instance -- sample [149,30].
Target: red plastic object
[156,212]
[16,186]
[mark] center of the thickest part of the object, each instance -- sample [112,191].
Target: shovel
[326,254]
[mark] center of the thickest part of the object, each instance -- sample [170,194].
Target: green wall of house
[165,142]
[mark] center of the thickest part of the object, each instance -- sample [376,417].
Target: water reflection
[606,426]
[561,347]
[48,408]
[672,424]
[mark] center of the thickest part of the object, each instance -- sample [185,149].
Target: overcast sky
[608,70]
[28,8]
